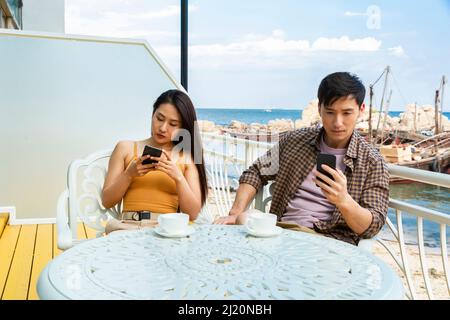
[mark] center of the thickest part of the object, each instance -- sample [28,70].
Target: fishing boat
[413,148]
[432,154]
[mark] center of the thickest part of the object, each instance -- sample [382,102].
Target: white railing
[421,214]
[223,153]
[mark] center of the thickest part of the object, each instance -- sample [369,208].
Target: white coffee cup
[173,223]
[262,222]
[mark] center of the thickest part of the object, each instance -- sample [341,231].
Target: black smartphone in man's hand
[329,160]
[152,152]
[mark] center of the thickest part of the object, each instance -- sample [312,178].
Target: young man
[351,206]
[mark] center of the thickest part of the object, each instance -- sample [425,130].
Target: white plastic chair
[82,199]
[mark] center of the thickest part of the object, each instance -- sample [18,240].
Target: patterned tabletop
[217,262]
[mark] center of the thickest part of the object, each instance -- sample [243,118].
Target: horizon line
[288,109]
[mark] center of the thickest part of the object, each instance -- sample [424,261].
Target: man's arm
[244,195]
[375,197]
[265,168]
[357,218]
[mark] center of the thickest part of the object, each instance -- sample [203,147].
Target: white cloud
[344,43]
[277,33]
[126,19]
[114,18]
[277,45]
[397,51]
[354,14]
[273,51]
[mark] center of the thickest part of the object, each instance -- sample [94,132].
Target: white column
[2,19]
[9,23]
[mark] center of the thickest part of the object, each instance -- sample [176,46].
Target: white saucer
[189,230]
[275,232]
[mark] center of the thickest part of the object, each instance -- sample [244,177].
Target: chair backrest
[222,174]
[263,197]
[226,157]
[85,178]
[217,181]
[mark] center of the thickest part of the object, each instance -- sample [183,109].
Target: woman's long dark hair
[185,107]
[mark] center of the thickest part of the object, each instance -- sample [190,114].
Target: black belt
[141,215]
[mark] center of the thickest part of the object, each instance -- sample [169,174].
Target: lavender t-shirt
[309,204]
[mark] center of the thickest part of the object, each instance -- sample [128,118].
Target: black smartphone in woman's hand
[329,160]
[152,152]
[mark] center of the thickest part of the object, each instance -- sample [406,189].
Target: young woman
[176,182]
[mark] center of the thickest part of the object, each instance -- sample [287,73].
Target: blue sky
[260,54]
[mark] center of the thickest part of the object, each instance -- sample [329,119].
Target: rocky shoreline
[414,119]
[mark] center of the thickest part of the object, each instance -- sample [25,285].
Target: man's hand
[335,191]
[226,220]
[356,217]
[244,195]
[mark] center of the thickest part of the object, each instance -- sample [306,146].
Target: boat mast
[370,112]
[388,101]
[388,69]
[443,83]
[436,112]
[415,117]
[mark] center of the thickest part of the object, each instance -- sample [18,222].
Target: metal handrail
[434,178]
[419,211]
[226,138]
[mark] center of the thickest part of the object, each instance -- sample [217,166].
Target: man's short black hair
[338,85]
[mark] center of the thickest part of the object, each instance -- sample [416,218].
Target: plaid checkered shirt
[290,161]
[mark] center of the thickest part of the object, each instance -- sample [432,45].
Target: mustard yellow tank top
[155,191]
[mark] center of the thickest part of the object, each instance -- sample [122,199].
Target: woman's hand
[137,169]
[167,165]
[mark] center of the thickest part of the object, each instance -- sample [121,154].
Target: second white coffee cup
[262,222]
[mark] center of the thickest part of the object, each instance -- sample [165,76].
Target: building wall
[62,99]
[44,15]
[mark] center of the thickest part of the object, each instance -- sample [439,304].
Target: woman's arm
[118,178]
[187,182]
[189,192]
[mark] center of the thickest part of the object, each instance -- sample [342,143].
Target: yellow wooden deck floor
[24,252]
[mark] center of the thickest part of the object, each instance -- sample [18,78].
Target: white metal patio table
[217,262]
